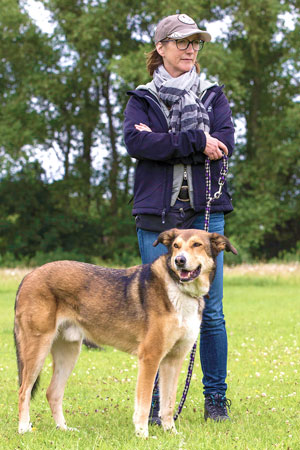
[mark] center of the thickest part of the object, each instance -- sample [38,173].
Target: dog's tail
[20,364]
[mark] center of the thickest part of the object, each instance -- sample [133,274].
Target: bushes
[42,222]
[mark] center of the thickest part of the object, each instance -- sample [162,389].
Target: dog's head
[192,253]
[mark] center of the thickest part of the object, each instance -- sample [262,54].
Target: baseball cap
[178,26]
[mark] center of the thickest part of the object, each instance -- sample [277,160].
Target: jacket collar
[152,100]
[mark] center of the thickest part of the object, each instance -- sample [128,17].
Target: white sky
[39,14]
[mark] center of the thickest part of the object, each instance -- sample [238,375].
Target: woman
[170,133]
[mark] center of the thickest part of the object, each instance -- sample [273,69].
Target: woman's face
[176,61]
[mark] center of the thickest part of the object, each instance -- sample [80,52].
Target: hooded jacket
[156,152]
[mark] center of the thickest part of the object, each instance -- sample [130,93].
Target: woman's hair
[154,60]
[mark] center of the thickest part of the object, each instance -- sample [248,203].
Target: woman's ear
[160,48]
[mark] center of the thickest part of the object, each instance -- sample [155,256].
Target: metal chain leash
[218,193]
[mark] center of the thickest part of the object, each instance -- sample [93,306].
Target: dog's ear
[220,242]
[166,237]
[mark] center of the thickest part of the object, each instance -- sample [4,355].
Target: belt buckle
[184,191]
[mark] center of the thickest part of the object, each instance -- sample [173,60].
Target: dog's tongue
[185,274]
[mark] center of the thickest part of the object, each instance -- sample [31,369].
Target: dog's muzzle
[186,275]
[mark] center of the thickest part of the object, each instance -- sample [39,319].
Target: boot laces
[219,402]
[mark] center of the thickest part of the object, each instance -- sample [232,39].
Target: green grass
[263,323]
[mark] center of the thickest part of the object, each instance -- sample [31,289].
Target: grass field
[262,309]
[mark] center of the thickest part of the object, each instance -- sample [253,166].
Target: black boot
[215,407]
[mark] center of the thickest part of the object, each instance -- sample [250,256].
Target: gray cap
[178,26]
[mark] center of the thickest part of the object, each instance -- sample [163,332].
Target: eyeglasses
[183,44]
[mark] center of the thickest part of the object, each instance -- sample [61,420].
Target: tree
[67,91]
[258,60]
[24,55]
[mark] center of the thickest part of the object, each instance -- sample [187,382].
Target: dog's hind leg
[32,356]
[65,354]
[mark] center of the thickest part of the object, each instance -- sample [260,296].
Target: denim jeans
[213,336]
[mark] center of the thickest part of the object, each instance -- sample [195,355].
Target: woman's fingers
[142,127]
[214,148]
[223,147]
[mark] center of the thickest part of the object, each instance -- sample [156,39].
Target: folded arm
[156,145]
[187,147]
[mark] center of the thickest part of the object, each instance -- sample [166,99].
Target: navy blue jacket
[157,152]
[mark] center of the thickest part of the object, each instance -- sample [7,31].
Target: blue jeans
[213,336]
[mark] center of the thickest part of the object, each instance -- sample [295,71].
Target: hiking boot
[154,418]
[215,407]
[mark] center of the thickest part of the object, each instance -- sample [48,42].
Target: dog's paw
[169,426]
[141,432]
[25,427]
[65,428]
[73,429]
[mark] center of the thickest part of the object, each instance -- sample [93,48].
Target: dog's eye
[197,244]
[176,245]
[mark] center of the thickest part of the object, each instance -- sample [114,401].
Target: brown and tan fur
[145,310]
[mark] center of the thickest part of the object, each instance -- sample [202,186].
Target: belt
[183,195]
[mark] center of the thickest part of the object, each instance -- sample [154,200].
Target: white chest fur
[188,311]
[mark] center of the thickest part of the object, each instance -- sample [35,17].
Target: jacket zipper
[185,173]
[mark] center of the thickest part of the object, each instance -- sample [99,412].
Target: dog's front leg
[168,376]
[148,366]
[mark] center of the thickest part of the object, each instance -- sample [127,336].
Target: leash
[218,193]
[209,199]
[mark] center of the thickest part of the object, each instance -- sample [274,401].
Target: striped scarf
[181,96]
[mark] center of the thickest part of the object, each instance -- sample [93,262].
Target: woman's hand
[142,127]
[214,148]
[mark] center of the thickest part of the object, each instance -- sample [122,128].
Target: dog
[153,311]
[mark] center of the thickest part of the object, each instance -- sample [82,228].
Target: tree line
[65,92]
